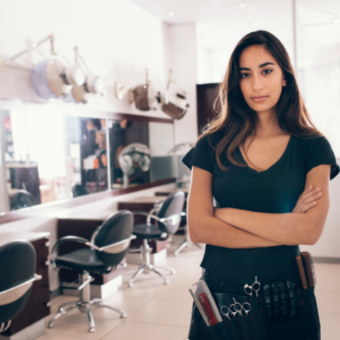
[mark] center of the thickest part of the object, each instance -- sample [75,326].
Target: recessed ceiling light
[242,5]
[171,13]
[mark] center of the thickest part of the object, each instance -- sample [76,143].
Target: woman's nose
[257,84]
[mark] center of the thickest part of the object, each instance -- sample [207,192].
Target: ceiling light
[171,13]
[257,23]
[242,5]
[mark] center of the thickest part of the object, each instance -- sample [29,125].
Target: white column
[4,202]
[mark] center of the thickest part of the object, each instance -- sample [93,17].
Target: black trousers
[305,325]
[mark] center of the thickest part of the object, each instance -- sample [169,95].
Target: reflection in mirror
[139,152]
[35,159]
[86,140]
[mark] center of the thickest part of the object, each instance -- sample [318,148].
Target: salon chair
[106,249]
[17,267]
[168,218]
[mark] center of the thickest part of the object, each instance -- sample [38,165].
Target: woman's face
[261,78]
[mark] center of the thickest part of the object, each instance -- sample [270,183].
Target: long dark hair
[236,120]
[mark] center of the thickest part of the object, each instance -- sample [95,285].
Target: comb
[309,265]
[206,302]
[302,272]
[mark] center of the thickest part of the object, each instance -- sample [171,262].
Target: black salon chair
[107,248]
[17,267]
[168,217]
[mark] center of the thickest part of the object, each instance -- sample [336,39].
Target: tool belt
[248,317]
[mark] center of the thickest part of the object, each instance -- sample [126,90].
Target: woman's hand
[307,200]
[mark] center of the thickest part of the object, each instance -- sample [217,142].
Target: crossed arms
[235,228]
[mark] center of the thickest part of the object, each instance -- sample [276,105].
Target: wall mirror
[50,154]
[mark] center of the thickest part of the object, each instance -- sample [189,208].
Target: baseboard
[98,291]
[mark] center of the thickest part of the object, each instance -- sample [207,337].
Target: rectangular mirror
[139,152]
[51,154]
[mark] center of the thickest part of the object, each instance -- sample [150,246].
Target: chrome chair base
[84,305]
[145,267]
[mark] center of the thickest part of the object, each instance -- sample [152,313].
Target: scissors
[226,314]
[235,308]
[254,287]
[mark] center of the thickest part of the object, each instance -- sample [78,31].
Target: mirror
[49,153]
[145,146]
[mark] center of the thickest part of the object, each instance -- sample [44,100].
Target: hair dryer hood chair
[132,154]
[146,98]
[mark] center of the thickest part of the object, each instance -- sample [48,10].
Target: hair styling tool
[302,272]
[207,302]
[291,286]
[266,291]
[309,265]
[275,290]
[204,316]
[282,292]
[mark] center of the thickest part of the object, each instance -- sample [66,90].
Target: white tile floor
[157,311]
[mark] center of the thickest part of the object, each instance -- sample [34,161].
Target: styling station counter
[29,323]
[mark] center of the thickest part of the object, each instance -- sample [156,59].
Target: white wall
[117,39]
[181,56]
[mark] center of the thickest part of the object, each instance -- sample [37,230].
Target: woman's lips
[259,99]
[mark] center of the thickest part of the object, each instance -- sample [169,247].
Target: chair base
[84,305]
[145,267]
[186,243]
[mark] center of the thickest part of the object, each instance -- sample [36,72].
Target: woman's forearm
[289,229]
[211,230]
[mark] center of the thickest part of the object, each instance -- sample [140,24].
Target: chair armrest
[108,248]
[64,240]
[162,220]
[12,294]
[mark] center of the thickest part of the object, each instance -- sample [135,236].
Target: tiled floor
[157,311]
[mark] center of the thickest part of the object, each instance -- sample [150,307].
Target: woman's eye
[268,71]
[243,75]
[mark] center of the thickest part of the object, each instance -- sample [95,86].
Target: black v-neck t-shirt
[275,190]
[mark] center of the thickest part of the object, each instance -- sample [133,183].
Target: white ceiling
[214,18]
[193,11]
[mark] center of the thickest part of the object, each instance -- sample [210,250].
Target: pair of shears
[236,308]
[254,287]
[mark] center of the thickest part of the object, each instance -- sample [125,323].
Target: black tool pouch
[305,324]
[246,327]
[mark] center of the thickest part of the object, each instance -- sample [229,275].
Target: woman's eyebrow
[262,65]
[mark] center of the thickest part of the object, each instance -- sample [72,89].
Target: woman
[268,169]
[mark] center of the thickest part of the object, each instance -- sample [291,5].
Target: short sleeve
[319,151]
[200,155]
